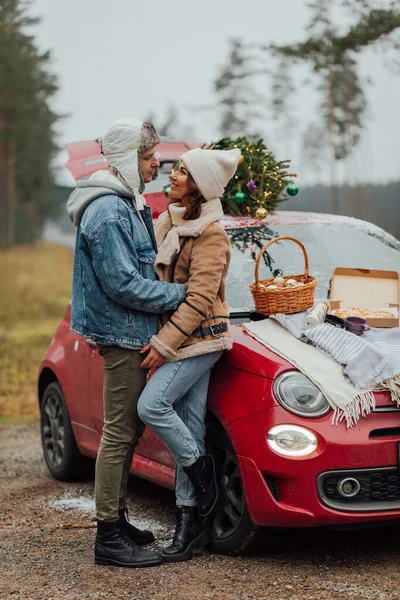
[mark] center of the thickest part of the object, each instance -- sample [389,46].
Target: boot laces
[127,540]
[202,483]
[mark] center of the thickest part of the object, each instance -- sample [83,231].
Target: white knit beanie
[211,169]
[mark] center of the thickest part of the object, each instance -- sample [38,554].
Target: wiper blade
[249,314]
[245,314]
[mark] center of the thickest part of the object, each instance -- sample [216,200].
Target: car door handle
[91,343]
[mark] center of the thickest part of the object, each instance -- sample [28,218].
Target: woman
[195,250]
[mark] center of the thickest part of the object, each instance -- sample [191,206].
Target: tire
[233,531]
[60,450]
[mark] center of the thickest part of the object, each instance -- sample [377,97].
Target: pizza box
[366,288]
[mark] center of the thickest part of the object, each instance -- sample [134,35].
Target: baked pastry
[364,313]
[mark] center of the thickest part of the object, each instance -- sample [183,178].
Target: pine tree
[27,139]
[332,56]
[333,59]
[237,99]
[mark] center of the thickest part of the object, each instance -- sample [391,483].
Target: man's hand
[153,360]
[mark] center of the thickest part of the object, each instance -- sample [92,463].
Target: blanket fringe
[361,406]
[391,385]
[364,402]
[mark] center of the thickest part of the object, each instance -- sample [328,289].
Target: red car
[281,462]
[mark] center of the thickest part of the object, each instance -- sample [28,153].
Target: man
[115,301]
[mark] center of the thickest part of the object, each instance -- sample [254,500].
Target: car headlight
[300,396]
[291,440]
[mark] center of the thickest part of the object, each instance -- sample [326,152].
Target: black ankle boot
[141,537]
[113,548]
[190,534]
[203,478]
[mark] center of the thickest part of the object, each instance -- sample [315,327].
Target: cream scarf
[170,226]
[177,212]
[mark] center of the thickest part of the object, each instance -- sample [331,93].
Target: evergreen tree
[237,99]
[27,139]
[171,126]
[332,57]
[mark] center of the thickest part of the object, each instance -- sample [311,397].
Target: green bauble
[292,189]
[240,197]
[167,190]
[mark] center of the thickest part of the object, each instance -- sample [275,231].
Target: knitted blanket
[371,362]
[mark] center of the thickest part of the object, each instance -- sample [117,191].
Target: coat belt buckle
[217,329]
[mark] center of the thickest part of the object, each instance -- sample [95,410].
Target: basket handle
[278,239]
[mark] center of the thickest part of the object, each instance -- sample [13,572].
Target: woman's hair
[195,200]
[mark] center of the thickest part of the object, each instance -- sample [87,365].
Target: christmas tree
[260,181]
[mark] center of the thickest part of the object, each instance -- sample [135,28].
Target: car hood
[251,356]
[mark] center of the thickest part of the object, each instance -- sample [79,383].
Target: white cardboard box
[367,288]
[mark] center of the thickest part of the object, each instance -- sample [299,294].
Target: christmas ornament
[251,186]
[261,213]
[241,160]
[167,190]
[292,189]
[240,197]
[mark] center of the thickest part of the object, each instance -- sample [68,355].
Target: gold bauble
[241,160]
[261,213]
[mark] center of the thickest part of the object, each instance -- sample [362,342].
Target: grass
[35,284]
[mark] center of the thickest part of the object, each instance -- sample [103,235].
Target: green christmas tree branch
[259,166]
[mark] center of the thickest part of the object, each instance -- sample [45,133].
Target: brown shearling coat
[202,264]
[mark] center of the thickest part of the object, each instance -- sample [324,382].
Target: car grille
[376,489]
[273,487]
[388,432]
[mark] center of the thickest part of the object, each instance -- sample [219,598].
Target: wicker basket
[285,300]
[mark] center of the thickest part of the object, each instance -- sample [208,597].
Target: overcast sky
[130,57]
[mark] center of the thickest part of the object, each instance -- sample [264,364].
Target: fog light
[291,440]
[349,487]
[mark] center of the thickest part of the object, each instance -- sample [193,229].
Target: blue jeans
[173,405]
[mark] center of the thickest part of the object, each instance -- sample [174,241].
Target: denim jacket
[116,295]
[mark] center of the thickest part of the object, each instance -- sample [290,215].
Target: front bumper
[303,491]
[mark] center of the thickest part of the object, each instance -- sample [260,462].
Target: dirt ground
[47,534]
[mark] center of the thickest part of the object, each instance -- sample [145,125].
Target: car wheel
[233,531]
[60,450]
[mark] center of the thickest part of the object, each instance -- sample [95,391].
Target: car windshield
[162,179]
[329,245]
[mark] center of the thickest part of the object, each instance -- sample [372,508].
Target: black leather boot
[203,478]
[113,548]
[190,534]
[141,537]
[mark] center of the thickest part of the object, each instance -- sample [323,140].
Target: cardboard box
[367,288]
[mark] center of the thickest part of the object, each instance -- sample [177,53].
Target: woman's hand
[153,360]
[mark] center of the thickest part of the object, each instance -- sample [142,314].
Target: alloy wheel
[53,431]
[232,504]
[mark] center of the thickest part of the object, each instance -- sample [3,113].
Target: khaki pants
[124,381]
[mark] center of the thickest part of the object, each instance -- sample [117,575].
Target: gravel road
[47,533]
